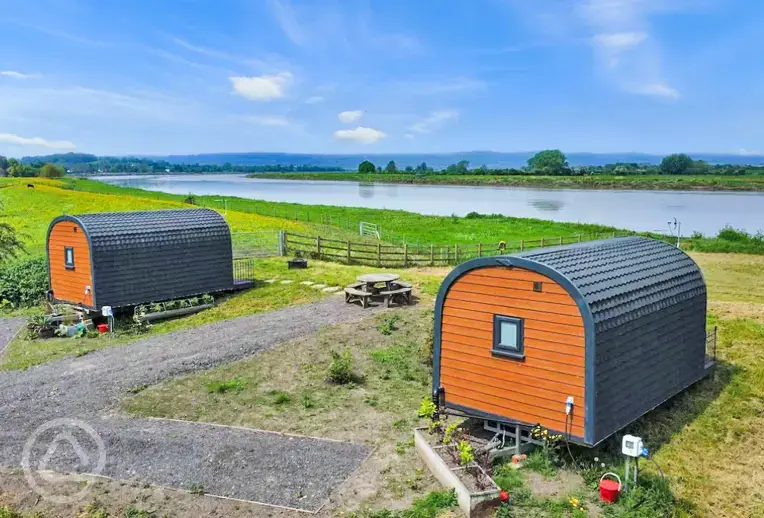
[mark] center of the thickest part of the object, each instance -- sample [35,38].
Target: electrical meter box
[631,446]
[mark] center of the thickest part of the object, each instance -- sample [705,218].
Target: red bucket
[609,489]
[103,328]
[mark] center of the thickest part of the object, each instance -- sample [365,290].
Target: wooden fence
[386,255]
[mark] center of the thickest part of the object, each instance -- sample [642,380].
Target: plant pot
[46,332]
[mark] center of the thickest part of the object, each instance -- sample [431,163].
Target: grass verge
[648,182]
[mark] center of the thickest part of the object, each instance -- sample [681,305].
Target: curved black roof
[623,278]
[146,256]
[124,230]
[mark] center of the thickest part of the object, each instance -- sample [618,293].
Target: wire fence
[265,243]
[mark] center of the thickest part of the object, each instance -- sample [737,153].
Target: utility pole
[676,226]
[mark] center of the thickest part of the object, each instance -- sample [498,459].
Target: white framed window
[69,257]
[508,337]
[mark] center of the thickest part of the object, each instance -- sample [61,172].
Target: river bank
[635,182]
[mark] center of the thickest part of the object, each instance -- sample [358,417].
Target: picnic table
[370,280]
[367,287]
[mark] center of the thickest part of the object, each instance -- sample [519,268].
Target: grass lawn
[707,440]
[22,353]
[657,182]
[396,224]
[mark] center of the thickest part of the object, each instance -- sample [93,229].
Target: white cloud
[17,75]
[267,120]
[444,86]
[434,121]
[630,58]
[409,135]
[10,138]
[286,17]
[349,117]
[748,152]
[360,134]
[661,90]
[262,88]
[619,40]
[316,99]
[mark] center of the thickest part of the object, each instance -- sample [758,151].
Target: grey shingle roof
[120,230]
[624,278]
[149,256]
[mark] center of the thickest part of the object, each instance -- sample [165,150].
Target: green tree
[422,168]
[3,166]
[678,163]
[10,241]
[366,167]
[52,171]
[391,168]
[549,161]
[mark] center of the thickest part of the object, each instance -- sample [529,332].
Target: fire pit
[297,263]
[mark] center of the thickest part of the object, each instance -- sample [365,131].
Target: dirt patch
[727,310]
[565,483]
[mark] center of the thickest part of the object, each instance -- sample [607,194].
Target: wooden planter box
[472,503]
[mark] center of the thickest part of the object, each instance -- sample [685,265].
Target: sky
[113,77]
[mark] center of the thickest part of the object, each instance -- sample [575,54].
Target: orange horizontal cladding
[542,350]
[69,284]
[506,410]
[485,330]
[531,390]
[470,317]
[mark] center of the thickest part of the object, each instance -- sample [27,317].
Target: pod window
[69,257]
[508,337]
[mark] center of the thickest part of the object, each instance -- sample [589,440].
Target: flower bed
[454,466]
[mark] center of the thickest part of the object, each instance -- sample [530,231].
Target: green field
[646,182]
[397,225]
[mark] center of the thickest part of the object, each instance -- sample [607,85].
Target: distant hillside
[491,159]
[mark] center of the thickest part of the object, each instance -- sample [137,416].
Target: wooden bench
[355,285]
[400,284]
[354,294]
[390,295]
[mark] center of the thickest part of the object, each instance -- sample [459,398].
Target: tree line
[83,164]
[13,167]
[553,162]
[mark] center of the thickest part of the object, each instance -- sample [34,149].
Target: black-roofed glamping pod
[615,326]
[122,259]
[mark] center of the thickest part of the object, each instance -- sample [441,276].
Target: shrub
[24,283]
[221,387]
[427,408]
[190,200]
[388,325]
[730,234]
[341,368]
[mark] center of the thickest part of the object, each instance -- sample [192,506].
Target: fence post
[542,242]
[522,244]
[456,254]
[480,249]
[379,255]
[318,246]
[405,255]
[348,252]
[560,239]
[432,255]
[282,243]
[614,234]
[579,237]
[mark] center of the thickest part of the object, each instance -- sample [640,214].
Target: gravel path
[264,467]
[8,328]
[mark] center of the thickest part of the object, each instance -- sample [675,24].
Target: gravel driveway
[8,328]
[295,472]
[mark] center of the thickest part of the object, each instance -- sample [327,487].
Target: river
[698,211]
